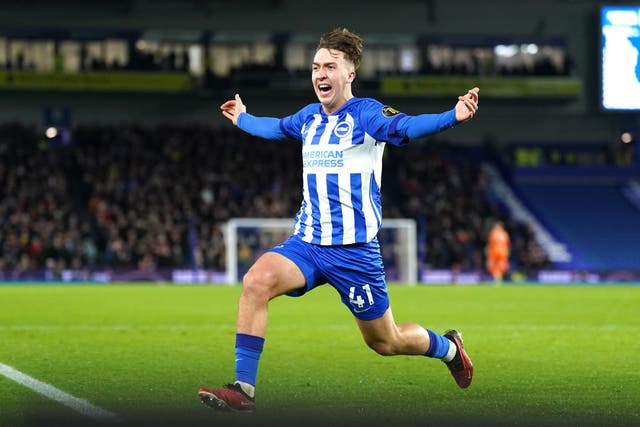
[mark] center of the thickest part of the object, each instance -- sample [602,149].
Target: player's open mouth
[324,88]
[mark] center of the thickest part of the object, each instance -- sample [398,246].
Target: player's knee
[257,283]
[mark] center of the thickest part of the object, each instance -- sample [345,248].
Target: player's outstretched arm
[467,105]
[424,125]
[232,109]
[264,127]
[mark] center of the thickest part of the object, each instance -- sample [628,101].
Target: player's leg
[388,338]
[504,266]
[272,275]
[357,273]
[498,267]
[492,266]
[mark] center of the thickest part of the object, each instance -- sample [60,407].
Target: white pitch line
[82,406]
[129,328]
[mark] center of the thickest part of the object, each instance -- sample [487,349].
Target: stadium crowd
[155,197]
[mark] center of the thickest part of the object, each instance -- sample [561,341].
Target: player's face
[331,75]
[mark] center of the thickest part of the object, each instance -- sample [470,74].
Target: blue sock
[438,345]
[248,350]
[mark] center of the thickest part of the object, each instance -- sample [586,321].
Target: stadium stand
[597,222]
[147,198]
[148,186]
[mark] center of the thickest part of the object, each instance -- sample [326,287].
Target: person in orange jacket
[498,247]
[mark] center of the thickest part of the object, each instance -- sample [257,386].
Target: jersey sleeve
[291,126]
[385,123]
[426,124]
[381,122]
[263,127]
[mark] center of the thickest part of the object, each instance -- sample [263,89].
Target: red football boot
[461,367]
[229,398]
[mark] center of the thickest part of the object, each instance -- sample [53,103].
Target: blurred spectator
[157,197]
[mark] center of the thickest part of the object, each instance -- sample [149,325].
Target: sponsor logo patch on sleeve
[389,111]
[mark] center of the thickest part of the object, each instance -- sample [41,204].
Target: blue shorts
[355,271]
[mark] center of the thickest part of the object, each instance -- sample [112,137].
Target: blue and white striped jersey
[342,169]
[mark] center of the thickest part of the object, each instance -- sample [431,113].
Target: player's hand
[467,105]
[232,109]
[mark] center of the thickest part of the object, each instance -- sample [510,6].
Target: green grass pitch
[543,355]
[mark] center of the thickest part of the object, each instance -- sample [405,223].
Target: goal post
[248,238]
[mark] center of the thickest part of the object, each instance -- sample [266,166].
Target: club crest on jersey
[343,129]
[389,111]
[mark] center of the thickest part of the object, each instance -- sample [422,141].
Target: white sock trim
[451,353]
[247,388]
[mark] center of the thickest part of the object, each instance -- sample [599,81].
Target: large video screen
[620,35]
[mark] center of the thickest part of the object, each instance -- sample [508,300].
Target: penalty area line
[82,406]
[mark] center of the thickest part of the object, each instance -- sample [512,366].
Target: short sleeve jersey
[342,169]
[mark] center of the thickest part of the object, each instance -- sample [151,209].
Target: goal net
[248,238]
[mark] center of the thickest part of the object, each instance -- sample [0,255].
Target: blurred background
[116,163]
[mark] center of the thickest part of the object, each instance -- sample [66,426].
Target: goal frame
[409,265]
